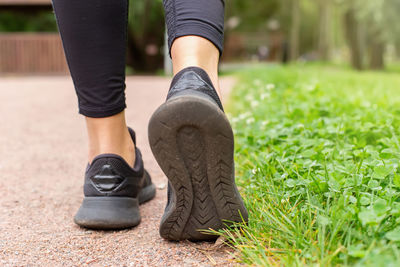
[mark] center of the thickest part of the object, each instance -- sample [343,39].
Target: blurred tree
[253,14]
[309,29]
[306,26]
[294,30]
[352,31]
[371,14]
[391,11]
[146,28]
[373,24]
[249,18]
[325,29]
[33,21]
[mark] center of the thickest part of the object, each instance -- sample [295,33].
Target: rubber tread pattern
[192,142]
[191,146]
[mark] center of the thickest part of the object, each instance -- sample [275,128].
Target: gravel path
[43,156]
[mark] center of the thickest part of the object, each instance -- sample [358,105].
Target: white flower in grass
[311,87]
[254,103]
[244,115]
[270,86]
[257,82]
[264,123]
[250,120]
[366,104]
[249,97]
[265,95]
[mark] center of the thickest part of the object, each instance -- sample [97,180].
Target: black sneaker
[113,191]
[192,141]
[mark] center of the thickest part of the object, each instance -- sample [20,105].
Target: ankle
[194,51]
[124,148]
[110,135]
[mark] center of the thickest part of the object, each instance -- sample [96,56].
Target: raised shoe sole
[193,143]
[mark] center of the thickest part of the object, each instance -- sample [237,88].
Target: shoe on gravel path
[113,191]
[192,141]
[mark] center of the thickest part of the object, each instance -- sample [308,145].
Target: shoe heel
[106,213]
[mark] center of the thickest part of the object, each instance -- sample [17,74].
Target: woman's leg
[197,51]
[195,34]
[94,38]
[190,136]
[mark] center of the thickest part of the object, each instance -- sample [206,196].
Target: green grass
[317,161]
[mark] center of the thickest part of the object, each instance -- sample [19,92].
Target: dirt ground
[42,160]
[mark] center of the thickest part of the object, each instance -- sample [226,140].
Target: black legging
[94,38]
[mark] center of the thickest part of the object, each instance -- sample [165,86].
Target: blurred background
[363,34]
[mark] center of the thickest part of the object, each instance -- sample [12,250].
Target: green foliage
[256,19]
[317,153]
[145,17]
[380,16]
[308,28]
[391,10]
[43,21]
[145,33]
[253,14]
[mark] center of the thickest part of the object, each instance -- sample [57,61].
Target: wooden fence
[31,53]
